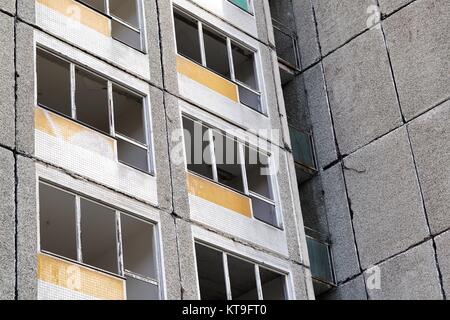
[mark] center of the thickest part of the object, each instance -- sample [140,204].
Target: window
[223,276]
[85,231]
[125,19]
[222,158]
[98,103]
[220,54]
[243,4]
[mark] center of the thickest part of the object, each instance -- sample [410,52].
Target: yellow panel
[219,195]
[81,13]
[207,78]
[80,279]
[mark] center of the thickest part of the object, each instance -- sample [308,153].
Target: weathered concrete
[410,276]
[361,91]
[7,81]
[351,290]
[385,199]
[443,257]
[7,225]
[154,51]
[27,237]
[260,17]
[420,54]
[26,10]
[8,6]
[389,6]
[430,136]
[297,111]
[300,285]
[343,247]
[313,206]
[340,21]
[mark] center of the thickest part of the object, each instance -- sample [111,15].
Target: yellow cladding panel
[219,195]
[80,279]
[207,78]
[80,13]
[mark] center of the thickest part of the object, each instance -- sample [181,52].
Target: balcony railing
[303,148]
[286,44]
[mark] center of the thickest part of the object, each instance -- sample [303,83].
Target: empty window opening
[91,99]
[273,285]
[132,155]
[211,275]
[242,279]
[187,36]
[125,10]
[198,153]
[126,35]
[216,52]
[141,290]
[57,216]
[53,83]
[98,236]
[96,4]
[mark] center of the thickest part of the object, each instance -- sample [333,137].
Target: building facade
[226,149]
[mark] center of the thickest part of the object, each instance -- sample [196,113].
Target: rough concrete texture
[25,89]
[300,285]
[361,91]
[154,51]
[260,17]
[26,10]
[343,249]
[306,32]
[430,136]
[8,6]
[313,206]
[171,267]
[354,289]
[388,215]
[7,225]
[339,21]
[296,104]
[27,237]
[389,6]
[320,116]
[167,44]
[7,81]
[411,275]
[443,256]
[420,54]
[186,256]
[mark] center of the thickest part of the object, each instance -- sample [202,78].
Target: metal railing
[286,45]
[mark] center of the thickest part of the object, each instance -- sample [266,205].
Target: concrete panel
[258,19]
[420,54]
[153,41]
[7,225]
[8,6]
[299,277]
[339,21]
[320,116]
[343,247]
[26,10]
[443,256]
[382,186]
[411,275]
[389,6]
[361,91]
[27,237]
[430,136]
[7,81]
[354,289]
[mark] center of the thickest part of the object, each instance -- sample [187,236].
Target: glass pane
[272,284]
[57,221]
[140,290]
[98,236]
[216,52]
[249,98]
[243,4]
[127,10]
[302,148]
[211,275]
[229,170]
[138,246]
[264,211]
[126,35]
[96,4]
[196,141]
[132,155]
[244,66]
[53,83]
[186,32]
[319,257]
[258,173]
[285,46]
[242,279]
[91,97]
[129,114]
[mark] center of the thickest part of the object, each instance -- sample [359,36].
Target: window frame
[141,31]
[148,146]
[251,9]
[118,213]
[241,149]
[229,40]
[257,266]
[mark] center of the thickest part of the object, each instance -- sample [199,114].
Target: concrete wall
[377,91]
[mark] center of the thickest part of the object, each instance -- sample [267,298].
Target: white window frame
[251,8]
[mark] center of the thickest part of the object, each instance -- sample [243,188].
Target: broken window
[222,276]
[243,4]
[187,36]
[216,52]
[82,230]
[53,83]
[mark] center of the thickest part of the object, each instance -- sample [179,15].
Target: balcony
[286,45]
[304,154]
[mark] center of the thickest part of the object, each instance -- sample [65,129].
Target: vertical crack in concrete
[16,180]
